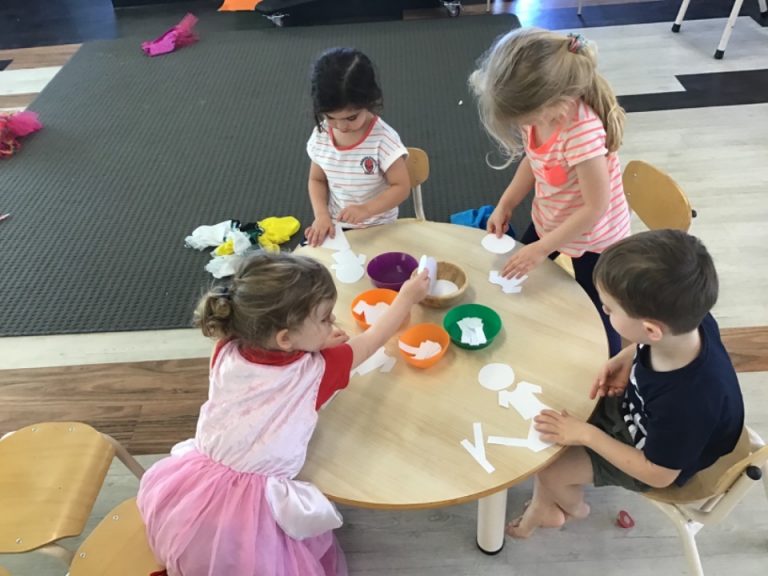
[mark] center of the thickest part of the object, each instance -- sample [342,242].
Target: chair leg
[57,551]
[578,8]
[680,16]
[720,52]
[124,456]
[687,529]
[763,8]
[418,204]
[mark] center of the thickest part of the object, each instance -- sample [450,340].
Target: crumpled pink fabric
[177,37]
[15,126]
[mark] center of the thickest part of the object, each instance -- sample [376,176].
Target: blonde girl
[541,98]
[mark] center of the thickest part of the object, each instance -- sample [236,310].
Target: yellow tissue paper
[225,249]
[277,230]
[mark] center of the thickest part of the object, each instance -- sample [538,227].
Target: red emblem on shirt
[368,164]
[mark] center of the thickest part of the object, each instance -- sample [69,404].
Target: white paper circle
[349,274]
[444,288]
[496,376]
[498,245]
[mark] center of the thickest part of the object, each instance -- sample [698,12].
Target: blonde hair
[529,69]
[268,293]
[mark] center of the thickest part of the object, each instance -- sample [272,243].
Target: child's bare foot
[533,518]
[582,512]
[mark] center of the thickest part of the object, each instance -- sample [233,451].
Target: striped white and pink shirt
[356,173]
[558,194]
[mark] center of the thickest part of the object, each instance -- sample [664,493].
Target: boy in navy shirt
[669,406]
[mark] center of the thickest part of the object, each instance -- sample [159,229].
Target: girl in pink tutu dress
[226,503]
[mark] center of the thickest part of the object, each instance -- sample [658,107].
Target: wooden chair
[720,52]
[656,199]
[116,547]
[418,170]
[710,496]
[50,476]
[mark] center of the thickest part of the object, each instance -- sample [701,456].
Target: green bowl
[491,323]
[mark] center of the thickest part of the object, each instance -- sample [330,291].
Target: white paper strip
[477,450]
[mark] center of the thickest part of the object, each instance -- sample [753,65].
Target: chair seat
[116,547]
[712,481]
[51,476]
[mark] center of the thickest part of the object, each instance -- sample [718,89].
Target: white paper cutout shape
[533,441]
[496,376]
[349,266]
[477,450]
[340,242]
[444,288]
[426,349]
[371,312]
[498,245]
[430,265]
[508,285]
[472,331]
[379,360]
[523,399]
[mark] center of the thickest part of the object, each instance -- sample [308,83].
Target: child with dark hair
[358,176]
[226,503]
[669,406]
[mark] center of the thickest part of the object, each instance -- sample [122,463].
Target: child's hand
[498,222]
[338,336]
[354,214]
[613,378]
[523,261]
[416,288]
[321,227]
[561,428]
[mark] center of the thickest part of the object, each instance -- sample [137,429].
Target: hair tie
[577,42]
[223,292]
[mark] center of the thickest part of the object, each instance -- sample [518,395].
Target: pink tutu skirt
[205,519]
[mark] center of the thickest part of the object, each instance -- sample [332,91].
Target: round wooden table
[393,440]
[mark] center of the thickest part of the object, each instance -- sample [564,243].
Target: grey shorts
[608,418]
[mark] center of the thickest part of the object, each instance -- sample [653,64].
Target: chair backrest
[55,471]
[117,546]
[418,171]
[418,166]
[656,198]
[719,477]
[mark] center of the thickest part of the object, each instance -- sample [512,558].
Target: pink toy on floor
[15,126]
[177,37]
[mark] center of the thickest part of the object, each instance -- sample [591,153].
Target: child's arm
[614,377]
[318,196]
[399,189]
[594,184]
[566,430]
[522,183]
[364,345]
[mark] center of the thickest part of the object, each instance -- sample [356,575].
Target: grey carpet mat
[137,152]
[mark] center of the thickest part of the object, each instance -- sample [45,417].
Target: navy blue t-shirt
[687,418]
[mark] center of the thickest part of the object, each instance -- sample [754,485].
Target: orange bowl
[419,333]
[372,297]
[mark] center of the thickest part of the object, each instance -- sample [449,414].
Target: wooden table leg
[491,517]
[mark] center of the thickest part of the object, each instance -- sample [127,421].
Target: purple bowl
[391,269]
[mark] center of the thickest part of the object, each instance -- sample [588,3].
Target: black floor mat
[136,152]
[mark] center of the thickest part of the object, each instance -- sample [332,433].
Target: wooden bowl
[452,272]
